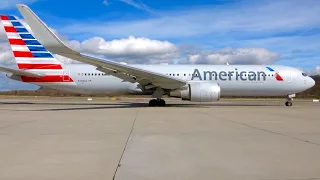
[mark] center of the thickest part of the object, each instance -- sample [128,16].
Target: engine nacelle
[198,92]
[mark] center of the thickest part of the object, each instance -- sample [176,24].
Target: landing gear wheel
[153,102]
[157,102]
[289,99]
[161,103]
[288,103]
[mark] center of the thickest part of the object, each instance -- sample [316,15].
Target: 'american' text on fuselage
[228,75]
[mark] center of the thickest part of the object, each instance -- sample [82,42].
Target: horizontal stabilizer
[19,72]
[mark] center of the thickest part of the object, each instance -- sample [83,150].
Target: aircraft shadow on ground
[124,105]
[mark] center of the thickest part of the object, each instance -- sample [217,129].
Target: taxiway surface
[233,139]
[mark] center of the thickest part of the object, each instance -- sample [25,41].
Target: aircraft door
[66,76]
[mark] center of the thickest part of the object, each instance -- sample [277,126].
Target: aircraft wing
[126,72]
[19,72]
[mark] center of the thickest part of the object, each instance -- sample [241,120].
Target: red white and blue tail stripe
[30,54]
[27,50]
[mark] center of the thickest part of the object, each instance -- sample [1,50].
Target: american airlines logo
[276,75]
[233,75]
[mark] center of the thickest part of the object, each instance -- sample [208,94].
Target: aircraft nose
[311,82]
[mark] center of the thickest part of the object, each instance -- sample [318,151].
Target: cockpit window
[304,74]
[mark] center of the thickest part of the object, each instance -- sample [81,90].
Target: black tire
[153,103]
[161,103]
[288,103]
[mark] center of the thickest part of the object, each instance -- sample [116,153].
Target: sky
[284,32]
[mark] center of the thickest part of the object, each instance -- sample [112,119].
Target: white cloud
[130,46]
[132,49]
[8,4]
[105,2]
[234,56]
[137,4]
[6,56]
[312,72]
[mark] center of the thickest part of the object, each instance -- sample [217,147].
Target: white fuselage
[234,80]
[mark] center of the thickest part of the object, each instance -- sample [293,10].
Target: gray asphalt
[96,140]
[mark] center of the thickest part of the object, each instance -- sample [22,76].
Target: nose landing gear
[289,100]
[288,103]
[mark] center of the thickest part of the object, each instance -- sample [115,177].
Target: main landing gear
[289,100]
[157,102]
[158,93]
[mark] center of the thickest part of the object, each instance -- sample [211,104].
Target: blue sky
[285,32]
[291,28]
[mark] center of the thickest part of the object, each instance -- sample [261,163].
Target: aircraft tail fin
[43,32]
[28,52]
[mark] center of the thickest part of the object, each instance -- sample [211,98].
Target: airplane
[34,55]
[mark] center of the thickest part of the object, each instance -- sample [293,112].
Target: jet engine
[198,92]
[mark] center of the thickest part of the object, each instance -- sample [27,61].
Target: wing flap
[123,71]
